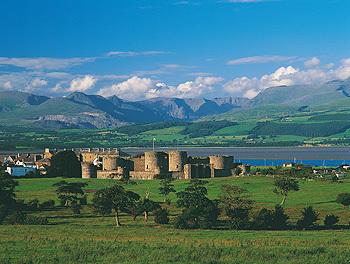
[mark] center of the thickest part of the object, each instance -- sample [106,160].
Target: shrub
[308,219]
[47,204]
[161,216]
[35,220]
[330,220]
[15,218]
[33,205]
[181,223]
[83,200]
[76,208]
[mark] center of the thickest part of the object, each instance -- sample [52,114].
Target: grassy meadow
[88,238]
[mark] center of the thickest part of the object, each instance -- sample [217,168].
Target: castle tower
[88,170]
[109,163]
[156,162]
[217,162]
[177,160]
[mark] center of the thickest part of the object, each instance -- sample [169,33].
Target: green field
[88,238]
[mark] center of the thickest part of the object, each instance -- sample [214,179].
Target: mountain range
[93,111]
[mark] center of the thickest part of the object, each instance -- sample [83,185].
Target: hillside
[93,111]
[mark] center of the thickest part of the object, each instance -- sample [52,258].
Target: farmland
[90,238]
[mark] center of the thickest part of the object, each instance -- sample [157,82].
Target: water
[316,156]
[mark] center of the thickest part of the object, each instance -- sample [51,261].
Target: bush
[35,220]
[76,208]
[308,219]
[4,211]
[161,216]
[181,223]
[33,205]
[15,218]
[330,220]
[83,200]
[47,204]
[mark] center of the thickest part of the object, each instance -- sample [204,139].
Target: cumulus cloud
[288,76]
[259,59]
[137,88]
[35,83]
[312,62]
[7,85]
[131,89]
[43,63]
[82,84]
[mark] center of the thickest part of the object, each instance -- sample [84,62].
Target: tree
[65,164]
[330,220]
[309,217]
[7,187]
[285,185]
[236,205]
[146,206]
[199,211]
[167,187]
[114,198]
[100,206]
[344,199]
[161,216]
[69,191]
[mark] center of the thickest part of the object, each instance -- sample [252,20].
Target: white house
[20,170]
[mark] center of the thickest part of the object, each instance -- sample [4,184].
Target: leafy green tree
[114,198]
[161,216]
[101,206]
[69,191]
[65,164]
[279,220]
[330,220]
[7,187]
[146,206]
[236,205]
[309,217]
[166,187]
[344,199]
[284,186]
[199,211]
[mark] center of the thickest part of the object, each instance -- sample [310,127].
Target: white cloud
[133,53]
[251,93]
[35,83]
[134,88]
[239,85]
[259,59]
[82,84]
[58,75]
[312,62]
[7,85]
[43,63]
[288,76]
[137,88]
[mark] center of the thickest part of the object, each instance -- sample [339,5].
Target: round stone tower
[218,162]
[152,162]
[177,160]
[109,163]
[88,170]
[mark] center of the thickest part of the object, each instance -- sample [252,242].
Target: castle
[154,164]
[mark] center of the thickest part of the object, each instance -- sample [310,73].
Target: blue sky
[140,49]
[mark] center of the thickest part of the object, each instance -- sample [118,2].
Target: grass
[88,238]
